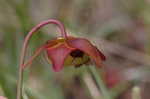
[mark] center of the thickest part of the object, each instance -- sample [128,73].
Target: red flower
[61,49]
[66,50]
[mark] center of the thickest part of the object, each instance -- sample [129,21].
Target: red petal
[57,55]
[101,54]
[85,46]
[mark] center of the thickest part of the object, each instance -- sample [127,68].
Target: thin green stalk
[19,85]
[100,83]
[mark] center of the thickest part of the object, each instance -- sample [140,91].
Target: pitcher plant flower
[61,51]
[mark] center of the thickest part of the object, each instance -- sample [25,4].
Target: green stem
[100,83]
[19,85]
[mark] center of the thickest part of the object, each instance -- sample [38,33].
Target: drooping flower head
[65,50]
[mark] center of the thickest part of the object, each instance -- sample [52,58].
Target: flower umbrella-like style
[62,51]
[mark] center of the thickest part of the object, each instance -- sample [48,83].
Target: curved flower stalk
[61,51]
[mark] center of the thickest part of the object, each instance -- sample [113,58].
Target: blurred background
[119,28]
